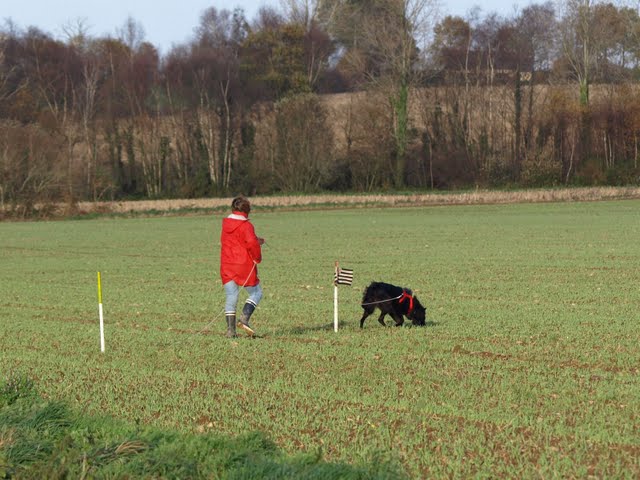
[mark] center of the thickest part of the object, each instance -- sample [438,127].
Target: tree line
[343,95]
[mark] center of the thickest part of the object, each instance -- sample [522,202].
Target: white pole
[100,313]
[335,298]
[101,328]
[335,308]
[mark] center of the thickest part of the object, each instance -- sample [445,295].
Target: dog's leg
[381,319]
[398,317]
[366,313]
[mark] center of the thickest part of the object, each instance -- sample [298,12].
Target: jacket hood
[234,221]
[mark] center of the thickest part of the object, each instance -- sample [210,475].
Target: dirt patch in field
[333,201]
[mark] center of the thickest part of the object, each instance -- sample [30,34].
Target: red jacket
[240,252]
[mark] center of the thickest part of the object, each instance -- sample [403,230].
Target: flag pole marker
[341,276]
[335,299]
[100,314]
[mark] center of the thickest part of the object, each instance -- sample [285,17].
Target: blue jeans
[232,289]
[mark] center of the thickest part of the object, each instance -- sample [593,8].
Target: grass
[44,439]
[529,365]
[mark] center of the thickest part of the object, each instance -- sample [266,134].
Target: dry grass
[332,201]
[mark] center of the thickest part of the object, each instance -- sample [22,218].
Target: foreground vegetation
[45,439]
[528,365]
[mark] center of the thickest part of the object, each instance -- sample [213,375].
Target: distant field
[323,201]
[363,199]
[529,367]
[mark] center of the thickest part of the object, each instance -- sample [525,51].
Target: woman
[239,258]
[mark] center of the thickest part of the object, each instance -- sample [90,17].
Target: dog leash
[243,285]
[215,318]
[382,301]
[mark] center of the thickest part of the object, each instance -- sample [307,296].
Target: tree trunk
[517,126]
[401,126]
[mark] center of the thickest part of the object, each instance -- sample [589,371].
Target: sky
[165,22]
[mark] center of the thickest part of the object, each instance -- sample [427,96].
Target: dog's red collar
[405,296]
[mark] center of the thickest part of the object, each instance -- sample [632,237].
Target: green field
[529,366]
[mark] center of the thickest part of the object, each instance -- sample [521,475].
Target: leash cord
[243,285]
[173,344]
[382,301]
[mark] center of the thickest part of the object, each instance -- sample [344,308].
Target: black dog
[392,300]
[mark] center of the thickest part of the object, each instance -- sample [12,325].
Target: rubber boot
[231,325]
[243,322]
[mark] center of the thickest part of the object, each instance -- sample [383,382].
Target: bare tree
[153,151]
[588,30]
[6,74]
[215,71]
[84,94]
[318,46]
[451,50]
[54,73]
[536,28]
[301,144]
[304,12]
[384,40]
[77,32]
[131,33]
[28,167]
[579,43]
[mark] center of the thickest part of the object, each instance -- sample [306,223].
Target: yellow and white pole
[100,313]
[335,299]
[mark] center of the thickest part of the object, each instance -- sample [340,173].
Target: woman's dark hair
[241,204]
